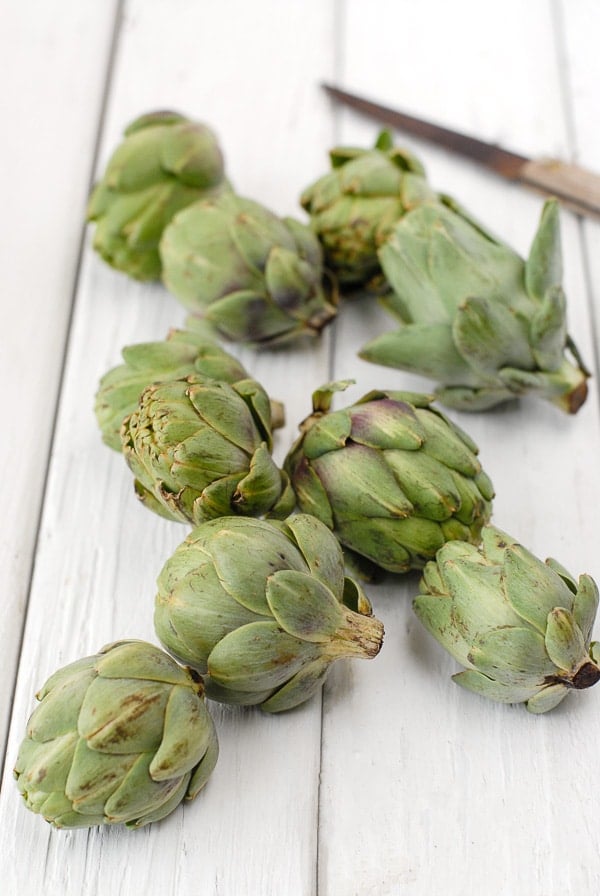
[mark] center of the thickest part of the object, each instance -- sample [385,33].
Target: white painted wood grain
[53,66]
[426,788]
[423,788]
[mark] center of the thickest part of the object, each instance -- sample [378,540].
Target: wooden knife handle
[578,189]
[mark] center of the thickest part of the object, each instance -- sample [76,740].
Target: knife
[577,188]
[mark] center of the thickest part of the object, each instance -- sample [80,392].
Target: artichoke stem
[277,414]
[586,676]
[572,383]
[359,636]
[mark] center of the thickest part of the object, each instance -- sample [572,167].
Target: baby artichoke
[200,448]
[181,354]
[486,324]
[263,608]
[164,163]
[120,737]
[391,476]
[354,207]
[522,628]
[256,277]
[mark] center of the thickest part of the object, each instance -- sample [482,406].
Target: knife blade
[577,188]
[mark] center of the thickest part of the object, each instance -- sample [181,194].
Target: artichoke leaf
[303,685]
[186,737]
[303,606]
[425,349]
[513,656]
[565,643]
[543,268]
[259,656]
[532,587]
[480,684]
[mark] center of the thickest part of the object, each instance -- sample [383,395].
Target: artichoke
[181,354]
[391,476]
[164,163]
[200,448]
[263,608]
[120,737]
[354,207]
[521,627]
[256,277]
[476,317]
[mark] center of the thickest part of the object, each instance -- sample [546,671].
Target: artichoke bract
[164,163]
[486,324]
[256,277]
[181,354]
[263,609]
[120,737]
[520,627]
[201,448]
[354,207]
[391,476]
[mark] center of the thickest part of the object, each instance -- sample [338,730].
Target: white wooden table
[395,781]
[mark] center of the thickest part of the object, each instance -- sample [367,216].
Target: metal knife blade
[577,188]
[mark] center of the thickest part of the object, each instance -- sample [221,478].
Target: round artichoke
[200,448]
[522,628]
[120,737]
[486,324]
[181,354]
[263,609]
[354,207]
[256,277]
[391,476]
[164,163]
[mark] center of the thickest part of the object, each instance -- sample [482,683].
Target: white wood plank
[252,73]
[49,130]
[426,788]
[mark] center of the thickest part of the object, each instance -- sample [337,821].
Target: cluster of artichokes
[254,606]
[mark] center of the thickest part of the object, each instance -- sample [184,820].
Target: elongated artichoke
[200,448]
[476,317]
[521,628]
[263,609]
[181,354]
[120,737]
[354,207]
[256,277]
[391,476]
[164,163]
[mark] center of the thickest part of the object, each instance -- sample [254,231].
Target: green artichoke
[476,317]
[164,163]
[181,354]
[120,737]
[263,608]
[391,476]
[256,277]
[521,627]
[200,448]
[354,207]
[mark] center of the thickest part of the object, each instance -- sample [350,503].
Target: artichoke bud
[164,163]
[199,448]
[119,737]
[181,354]
[258,278]
[391,476]
[262,609]
[486,324]
[354,207]
[520,627]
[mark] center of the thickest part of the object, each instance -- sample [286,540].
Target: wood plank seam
[110,60]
